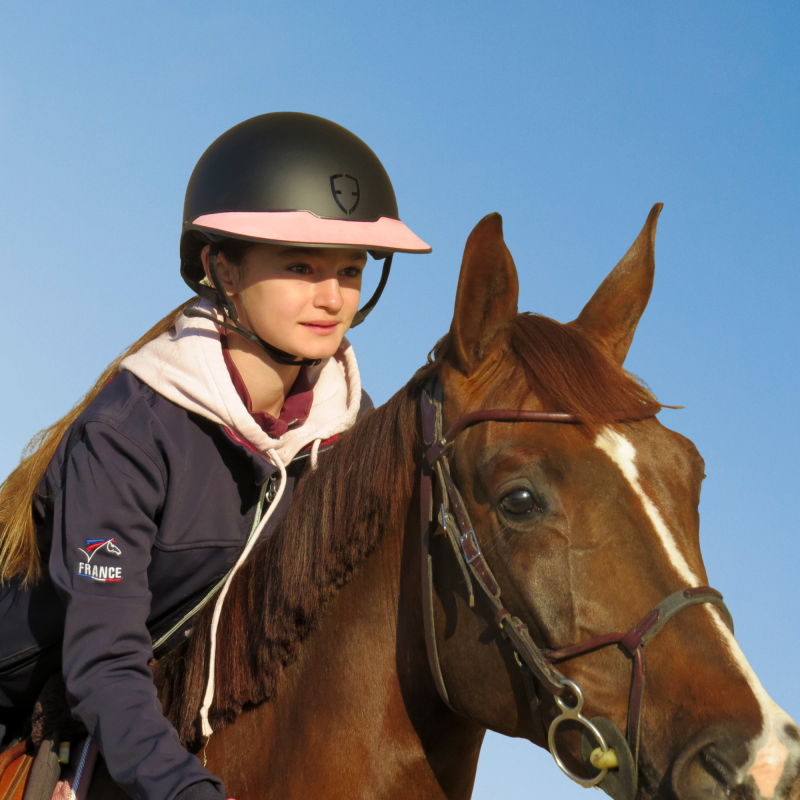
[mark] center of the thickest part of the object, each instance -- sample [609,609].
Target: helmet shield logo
[345,192]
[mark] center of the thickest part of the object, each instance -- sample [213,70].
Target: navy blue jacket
[144,507]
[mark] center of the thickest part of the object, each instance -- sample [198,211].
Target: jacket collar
[186,366]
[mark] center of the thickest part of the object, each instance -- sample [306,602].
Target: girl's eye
[300,269]
[519,504]
[350,272]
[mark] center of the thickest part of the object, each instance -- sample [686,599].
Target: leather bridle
[537,665]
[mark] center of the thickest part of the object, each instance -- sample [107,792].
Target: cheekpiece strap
[431,424]
[470,555]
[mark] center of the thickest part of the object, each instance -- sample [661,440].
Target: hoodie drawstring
[315,453]
[208,698]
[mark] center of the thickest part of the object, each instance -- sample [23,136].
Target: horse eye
[519,503]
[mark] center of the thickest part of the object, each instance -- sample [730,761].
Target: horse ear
[487,294]
[613,313]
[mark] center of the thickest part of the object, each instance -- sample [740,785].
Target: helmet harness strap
[376,295]
[276,354]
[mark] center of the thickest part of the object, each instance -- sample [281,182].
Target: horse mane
[336,519]
[340,511]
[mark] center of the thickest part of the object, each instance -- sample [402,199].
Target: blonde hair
[19,551]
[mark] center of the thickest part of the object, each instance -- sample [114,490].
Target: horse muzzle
[717,762]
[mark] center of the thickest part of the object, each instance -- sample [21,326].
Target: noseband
[536,665]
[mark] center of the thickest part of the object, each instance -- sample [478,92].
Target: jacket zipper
[266,496]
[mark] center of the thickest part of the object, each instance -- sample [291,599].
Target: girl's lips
[320,328]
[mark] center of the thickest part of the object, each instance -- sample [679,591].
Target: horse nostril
[708,765]
[792,732]
[715,765]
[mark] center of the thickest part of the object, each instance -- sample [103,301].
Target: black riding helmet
[289,178]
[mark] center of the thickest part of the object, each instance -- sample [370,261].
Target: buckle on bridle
[470,546]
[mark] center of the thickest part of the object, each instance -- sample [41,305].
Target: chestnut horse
[324,685]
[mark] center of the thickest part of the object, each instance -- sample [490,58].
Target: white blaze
[768,754]
[623,454]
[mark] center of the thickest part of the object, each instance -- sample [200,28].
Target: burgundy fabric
[296,406]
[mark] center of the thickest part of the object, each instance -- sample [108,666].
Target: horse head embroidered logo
[101,574]
[345,192]
[95,545]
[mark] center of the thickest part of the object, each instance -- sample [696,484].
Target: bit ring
[573,714]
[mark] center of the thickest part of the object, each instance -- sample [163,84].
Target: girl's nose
[328,294]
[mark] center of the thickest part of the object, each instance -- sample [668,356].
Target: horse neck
[359,702]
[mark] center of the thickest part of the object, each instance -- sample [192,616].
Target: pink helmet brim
[303,227]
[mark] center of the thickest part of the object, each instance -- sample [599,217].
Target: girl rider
[131,511]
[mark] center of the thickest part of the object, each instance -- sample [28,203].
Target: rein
[618,771]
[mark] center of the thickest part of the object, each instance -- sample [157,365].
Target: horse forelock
[559,365]
[569,372]
[338,515]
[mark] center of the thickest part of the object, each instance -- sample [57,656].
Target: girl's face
[301,300]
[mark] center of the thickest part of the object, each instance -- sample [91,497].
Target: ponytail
[19,552]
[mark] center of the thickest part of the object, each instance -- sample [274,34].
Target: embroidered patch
[102,574]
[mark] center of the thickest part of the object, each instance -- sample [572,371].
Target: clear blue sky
[571,119]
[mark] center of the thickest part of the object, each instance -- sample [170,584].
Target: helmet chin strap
[275,353]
